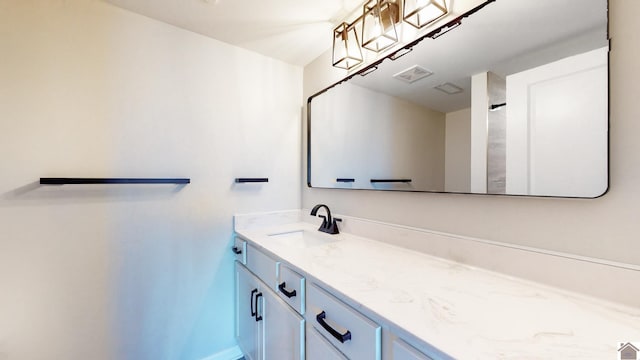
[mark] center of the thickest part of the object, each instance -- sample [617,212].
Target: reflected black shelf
[77,181]
[390,180]
[251,180]
[345,180]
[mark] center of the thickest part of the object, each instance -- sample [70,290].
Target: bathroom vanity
[303,294]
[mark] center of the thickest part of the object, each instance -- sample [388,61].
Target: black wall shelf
[77,181]
[251,180]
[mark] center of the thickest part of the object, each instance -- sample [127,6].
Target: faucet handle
[333,227]
[324,220]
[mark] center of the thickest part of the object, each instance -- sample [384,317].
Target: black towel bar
[76,181]
[390,180]
[251,180]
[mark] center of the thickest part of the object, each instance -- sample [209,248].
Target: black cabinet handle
[253,312]
[288,294]
[258,317]
[340,337]
[236,250]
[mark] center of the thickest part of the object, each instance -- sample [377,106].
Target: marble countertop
[465,312]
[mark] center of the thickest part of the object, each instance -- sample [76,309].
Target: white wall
[606,227]
[367,135]
[130,272]
[458,151]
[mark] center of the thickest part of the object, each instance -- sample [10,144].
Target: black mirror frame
[441,30]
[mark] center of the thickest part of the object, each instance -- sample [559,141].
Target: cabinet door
[320,349]
[284,329]
[248,330]
[403,351]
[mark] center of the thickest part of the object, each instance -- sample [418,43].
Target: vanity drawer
[239,249]
[320,349]
[403,351]
[291,287]
[349,331]
[262,266]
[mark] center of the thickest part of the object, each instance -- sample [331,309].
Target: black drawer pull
[253,312]
[340,337]
[258,317]
[236,250]
[288,294]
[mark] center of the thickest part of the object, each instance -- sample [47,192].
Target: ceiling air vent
[413,74]
[449,88]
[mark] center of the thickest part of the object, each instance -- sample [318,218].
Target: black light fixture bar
[77,181]
[251,180]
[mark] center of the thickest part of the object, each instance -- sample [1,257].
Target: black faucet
[329,224]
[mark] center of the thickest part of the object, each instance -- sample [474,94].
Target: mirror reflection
[514,101]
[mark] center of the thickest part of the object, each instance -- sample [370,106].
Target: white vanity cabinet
[349,331]
[240,250]
[291,287]
[318,348]
[271,299]
[402,351]
[284,334]
[266,327]
[249,327]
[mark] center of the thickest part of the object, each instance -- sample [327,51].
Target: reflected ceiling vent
[449,88]
[413,74]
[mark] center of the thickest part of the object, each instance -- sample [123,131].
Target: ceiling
[294,31]
[298,31]
[505,37]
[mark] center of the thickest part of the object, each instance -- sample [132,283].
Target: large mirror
[514,101]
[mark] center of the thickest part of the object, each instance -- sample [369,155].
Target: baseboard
[233,353]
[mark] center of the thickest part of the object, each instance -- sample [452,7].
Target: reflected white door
[557,147]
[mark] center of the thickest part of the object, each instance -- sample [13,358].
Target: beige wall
[130,272]
[367,135]
[458,151]
[605,228]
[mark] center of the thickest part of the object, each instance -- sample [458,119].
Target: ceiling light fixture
[380,21]
[420,13]
[346,49]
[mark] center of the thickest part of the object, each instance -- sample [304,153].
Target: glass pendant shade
[379,19]
[420,13]
[346,48]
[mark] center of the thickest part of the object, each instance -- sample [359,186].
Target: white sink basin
[302,238]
